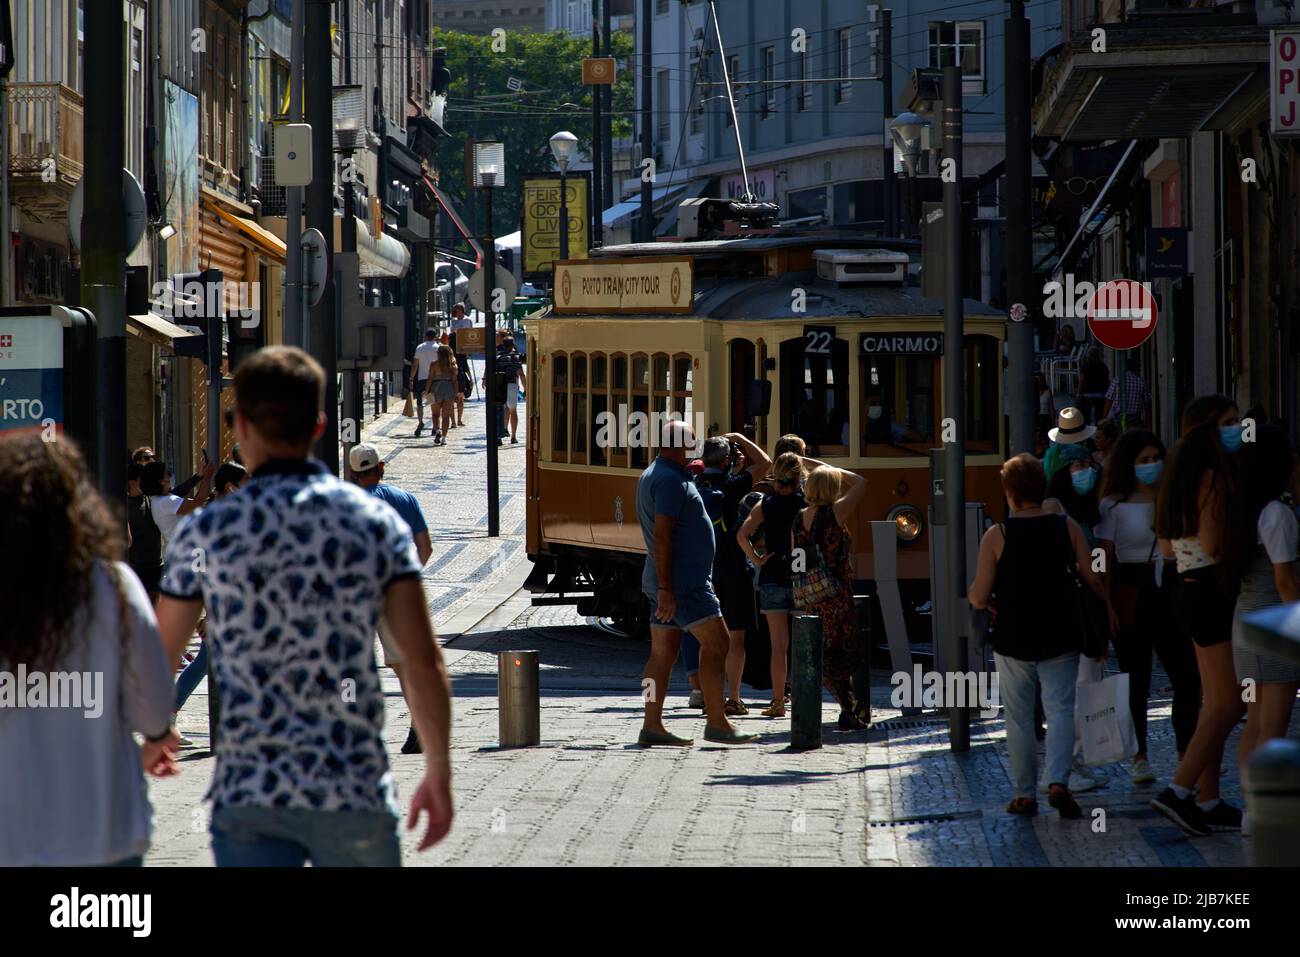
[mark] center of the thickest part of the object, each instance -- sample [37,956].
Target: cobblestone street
[893,795]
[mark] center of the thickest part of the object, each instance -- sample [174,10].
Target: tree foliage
[551,98]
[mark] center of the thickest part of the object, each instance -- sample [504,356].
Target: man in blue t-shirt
[676,581]
[368,472]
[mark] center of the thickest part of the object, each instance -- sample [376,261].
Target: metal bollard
[519,715]
[862,672]
[806,683]
[1273,802]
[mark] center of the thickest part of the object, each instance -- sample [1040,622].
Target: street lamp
[563,146]
[490,171]
[907,130]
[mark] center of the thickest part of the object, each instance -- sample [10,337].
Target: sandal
[1023,806]
[735,707]
[775,710]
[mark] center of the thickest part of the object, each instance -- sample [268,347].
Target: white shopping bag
[1103,725]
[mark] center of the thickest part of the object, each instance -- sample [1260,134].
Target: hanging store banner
[650,285]
[1284,82]
[540,237]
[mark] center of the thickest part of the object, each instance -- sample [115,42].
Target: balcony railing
[45,123]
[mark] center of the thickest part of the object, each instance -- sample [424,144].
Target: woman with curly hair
[78,635]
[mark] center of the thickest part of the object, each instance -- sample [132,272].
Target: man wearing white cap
[368,472]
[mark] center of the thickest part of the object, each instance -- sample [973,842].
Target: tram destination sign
[659,284]
[902,343]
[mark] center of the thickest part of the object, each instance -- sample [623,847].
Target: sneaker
[184,742]
[1182,811]
[1141,771]
[412,745]
[1223,817]
[1080,781]
[697,699]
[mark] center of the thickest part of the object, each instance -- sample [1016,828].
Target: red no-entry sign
[1122,314]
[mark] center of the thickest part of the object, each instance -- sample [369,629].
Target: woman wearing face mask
[1126,531]
[1199,480]
[1073,489]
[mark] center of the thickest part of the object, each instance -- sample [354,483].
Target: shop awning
[449,208]
[660,197]
[1154,81]
[381,255]
[264,239]
[1096,215]
[155,329]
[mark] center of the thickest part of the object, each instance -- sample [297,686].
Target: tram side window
[983,375]
[815,395]
[578,373]
[599,408]
[560,407]
[618,410]
[899,404]
[683,386]
[659,393]
[640,410]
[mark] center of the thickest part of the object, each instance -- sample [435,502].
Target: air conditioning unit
[852,266]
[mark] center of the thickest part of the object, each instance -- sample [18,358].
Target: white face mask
[875,411]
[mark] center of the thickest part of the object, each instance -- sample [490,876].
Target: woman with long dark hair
[441,389]
[72,793]
[1261,552]
[165,505]
[1199,480]
[1126,531]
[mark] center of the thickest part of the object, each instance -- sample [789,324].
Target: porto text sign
[31,372]
[902,343]
[658,284]
[1284,82]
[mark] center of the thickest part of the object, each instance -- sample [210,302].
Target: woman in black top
[776,513]
[1024,578]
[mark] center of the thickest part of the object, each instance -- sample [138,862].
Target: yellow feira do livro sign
[641,285]
[541,220]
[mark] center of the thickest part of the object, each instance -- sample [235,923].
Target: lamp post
[348,107]
[907,129]
[489,172]
[563,145]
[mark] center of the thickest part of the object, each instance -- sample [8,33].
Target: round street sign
[315,264]
[1122,314]
[132,201]
[505,280]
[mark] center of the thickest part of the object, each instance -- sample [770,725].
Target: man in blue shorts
[368,472]
[677,584]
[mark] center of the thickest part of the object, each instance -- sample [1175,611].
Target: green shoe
[648,739]
[728,737]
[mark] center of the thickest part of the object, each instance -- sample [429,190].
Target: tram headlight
[908,522]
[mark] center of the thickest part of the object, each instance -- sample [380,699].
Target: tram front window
[898,404]
[815,393]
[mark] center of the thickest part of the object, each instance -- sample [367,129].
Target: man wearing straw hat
[1071,429]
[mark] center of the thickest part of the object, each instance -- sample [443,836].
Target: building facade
[484,16]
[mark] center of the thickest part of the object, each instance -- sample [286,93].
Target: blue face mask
[1084,481]
[1148,473]
[1230,436]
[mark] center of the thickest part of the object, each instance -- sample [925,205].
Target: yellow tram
[822,336]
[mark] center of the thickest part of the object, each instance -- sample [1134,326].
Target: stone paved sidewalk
[890,796]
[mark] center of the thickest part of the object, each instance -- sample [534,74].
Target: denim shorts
[775,598]
[694,607]
[289,837]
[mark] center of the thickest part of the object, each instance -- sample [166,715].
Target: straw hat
[1070,428]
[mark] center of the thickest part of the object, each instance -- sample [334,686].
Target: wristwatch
[154,739]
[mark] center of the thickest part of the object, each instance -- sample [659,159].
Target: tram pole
[953,389]
[646,27]
[490,367]
[1021,403]
[888,181]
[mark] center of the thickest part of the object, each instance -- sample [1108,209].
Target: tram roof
[755,298]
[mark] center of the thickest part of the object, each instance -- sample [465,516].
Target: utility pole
[103,233]
[293,299]
[607,131]
[647,120]
[6,247]
[490,367]
[594,201]
[1019,241]
[320,215]
[889,182]
[954,388]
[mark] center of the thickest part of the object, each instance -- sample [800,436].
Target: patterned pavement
[891,796]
